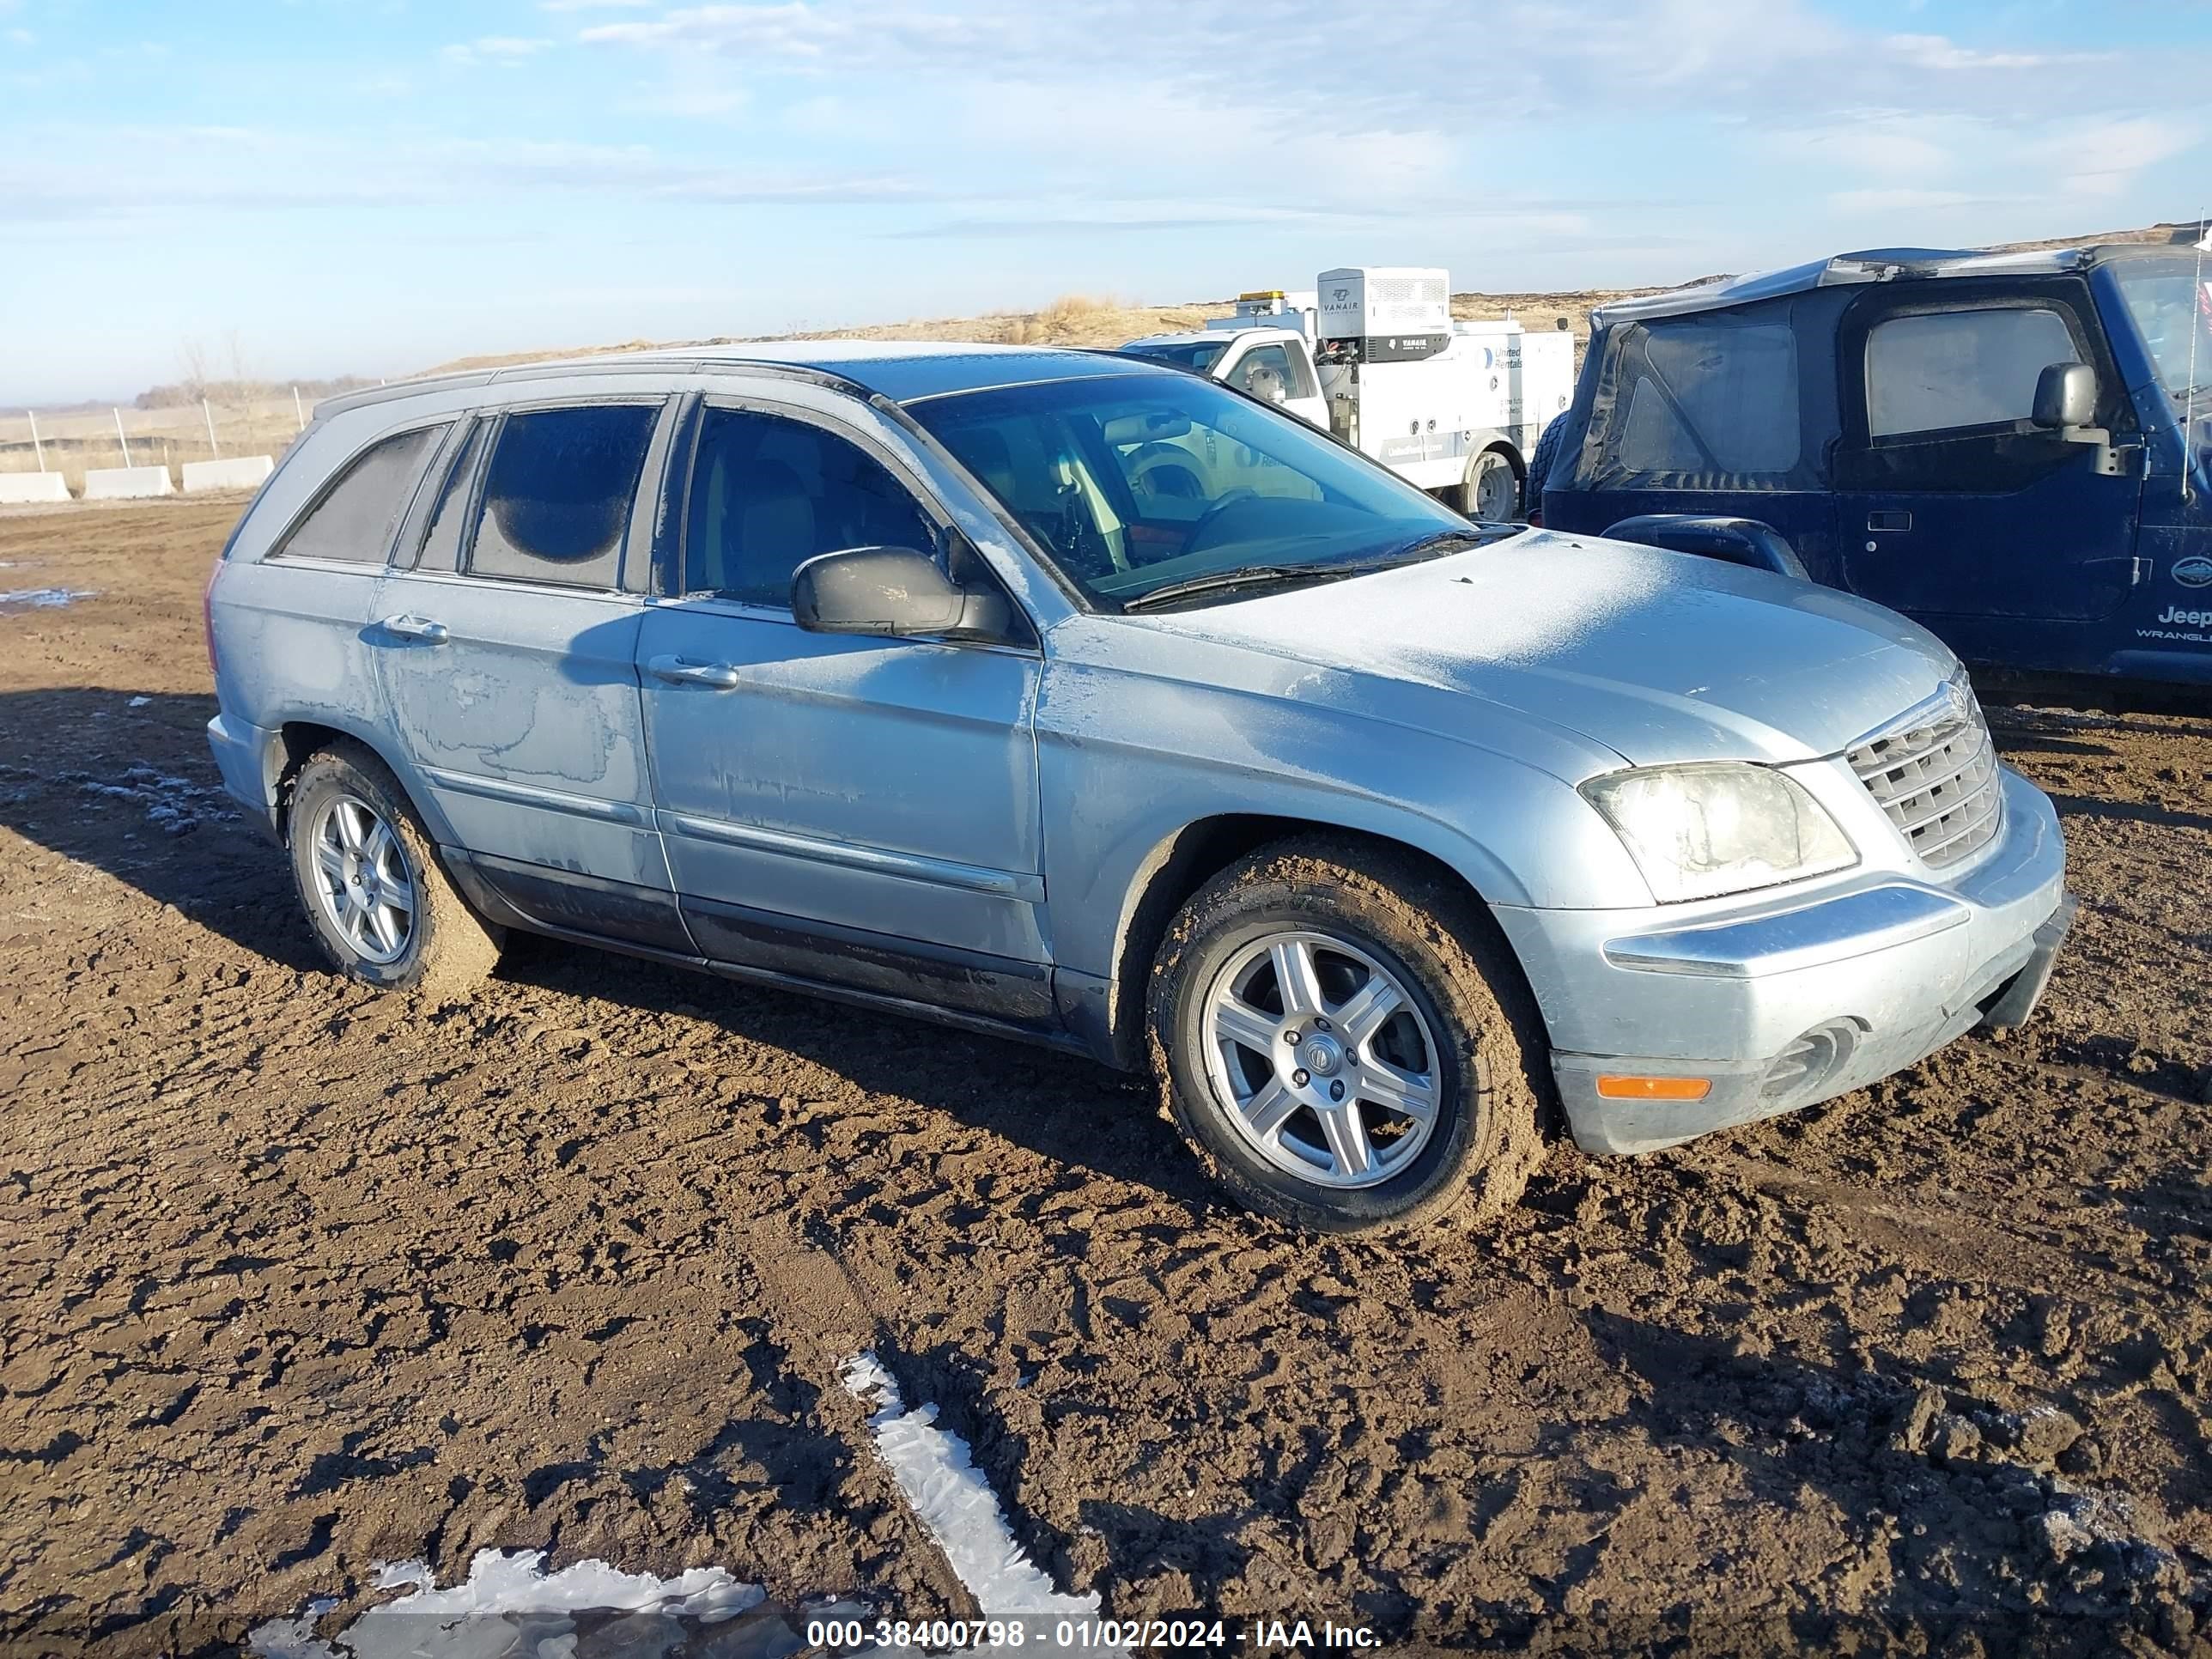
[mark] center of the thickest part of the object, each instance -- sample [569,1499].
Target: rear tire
[376,898]
[1410,1089]
[1492,490]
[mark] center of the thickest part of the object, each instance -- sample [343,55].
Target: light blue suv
[1084,700]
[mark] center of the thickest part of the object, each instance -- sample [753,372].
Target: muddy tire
[368,879]
[1346,1041]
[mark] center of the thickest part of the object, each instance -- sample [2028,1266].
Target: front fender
[1127,762]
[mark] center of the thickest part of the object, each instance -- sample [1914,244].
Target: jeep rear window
[558,493]
[1697,402]
[359,515]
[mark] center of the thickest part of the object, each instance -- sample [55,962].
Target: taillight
[207,617]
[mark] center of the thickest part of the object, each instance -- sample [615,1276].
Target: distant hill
[1083,320]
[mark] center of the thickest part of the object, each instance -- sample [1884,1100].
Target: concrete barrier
[235,472]
[33,487]
[123,483]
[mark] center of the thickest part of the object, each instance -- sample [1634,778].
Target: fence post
[208,414]
[298,413]
[119,438]
[37,448]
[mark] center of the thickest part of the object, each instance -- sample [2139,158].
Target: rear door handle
[1889,520]
[417,628]
[675,670]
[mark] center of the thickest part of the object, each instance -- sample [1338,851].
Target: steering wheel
[1195,540]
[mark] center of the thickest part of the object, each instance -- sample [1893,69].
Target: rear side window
[1942,371]
[558,492]
[441,542]
[1698,403]
[359,515]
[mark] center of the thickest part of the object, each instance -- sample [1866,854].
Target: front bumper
[1786,1003]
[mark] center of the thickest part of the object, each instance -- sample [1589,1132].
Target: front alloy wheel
[1347,1039]
[1330,1067]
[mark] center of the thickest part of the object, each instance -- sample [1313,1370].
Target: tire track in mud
[293,1277]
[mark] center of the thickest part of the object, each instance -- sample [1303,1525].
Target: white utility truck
[1372,354]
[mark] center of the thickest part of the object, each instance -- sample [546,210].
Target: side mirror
[2065,396]
[893,592]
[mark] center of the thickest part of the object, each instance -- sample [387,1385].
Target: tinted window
[768,493]
[441,543]
[357,519]
[558,493]
[1947,369]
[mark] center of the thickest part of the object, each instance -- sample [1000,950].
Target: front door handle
[416,628]
[1889,519]
[678,671]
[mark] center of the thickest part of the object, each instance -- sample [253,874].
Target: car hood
[1659,656]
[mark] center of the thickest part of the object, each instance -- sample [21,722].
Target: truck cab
[1271,362]
[2012,449]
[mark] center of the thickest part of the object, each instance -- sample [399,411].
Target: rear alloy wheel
[1348,1042]
[1492,490]
[379,904]
[363,882]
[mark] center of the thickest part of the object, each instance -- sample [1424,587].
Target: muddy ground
[297,1278]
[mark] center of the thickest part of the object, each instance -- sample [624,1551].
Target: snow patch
[934,1469]
[177,805]
[509,1605]
[47,599]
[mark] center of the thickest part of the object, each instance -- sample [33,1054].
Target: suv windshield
[1140,481]
[2171,301]
[1199,355]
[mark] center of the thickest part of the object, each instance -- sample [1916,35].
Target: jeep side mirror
[2065,396]
[893,592]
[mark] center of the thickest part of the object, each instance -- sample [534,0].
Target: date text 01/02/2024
[1063,1635]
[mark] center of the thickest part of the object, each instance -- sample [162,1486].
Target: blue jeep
[2012,449]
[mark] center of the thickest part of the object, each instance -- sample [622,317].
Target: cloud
[509,49]
[2101,157]
[1938,52]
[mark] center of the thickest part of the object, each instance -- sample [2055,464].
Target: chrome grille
[1935,772]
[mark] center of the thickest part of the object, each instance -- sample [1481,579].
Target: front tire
[1347,1042]
[368,879]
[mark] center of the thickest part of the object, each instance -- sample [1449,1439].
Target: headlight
[1698,831]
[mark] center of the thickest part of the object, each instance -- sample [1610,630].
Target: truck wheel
[378,904]
[1346,1042]
[1492,490]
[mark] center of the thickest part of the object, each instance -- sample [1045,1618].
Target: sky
[310,188]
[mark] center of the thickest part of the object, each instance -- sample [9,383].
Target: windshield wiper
[1437,540]
[1241,575]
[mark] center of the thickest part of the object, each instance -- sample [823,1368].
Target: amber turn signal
[1655,1088]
